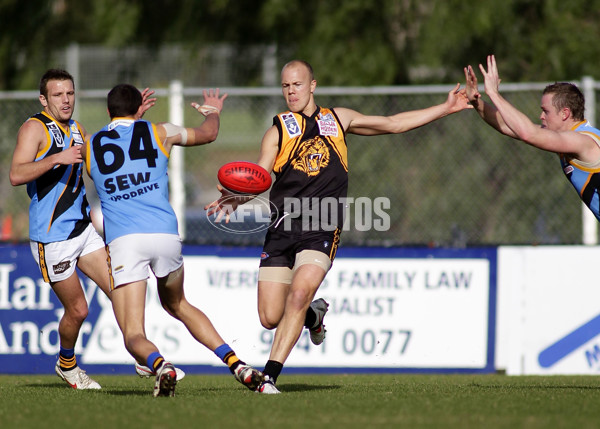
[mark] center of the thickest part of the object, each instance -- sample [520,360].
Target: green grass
[324,401]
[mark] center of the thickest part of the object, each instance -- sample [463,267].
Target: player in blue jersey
[127,160]
[48,159]
[564,129]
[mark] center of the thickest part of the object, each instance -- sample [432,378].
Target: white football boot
[166,380]
[145,372]
[267,387]
[76,378]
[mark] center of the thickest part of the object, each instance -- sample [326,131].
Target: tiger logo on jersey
[313,155]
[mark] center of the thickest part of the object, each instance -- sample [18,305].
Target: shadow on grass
[115,392]
[301,387]
[62,387]
[53,386]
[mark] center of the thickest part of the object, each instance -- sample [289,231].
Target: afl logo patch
[291,124]
[57,134]
[568,169]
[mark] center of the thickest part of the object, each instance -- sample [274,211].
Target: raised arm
[486,111]
[357,123]
[559,139]
[30,140]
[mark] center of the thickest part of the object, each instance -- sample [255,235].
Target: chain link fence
[452,183]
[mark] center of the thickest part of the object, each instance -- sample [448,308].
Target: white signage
[548,310]
[388,313]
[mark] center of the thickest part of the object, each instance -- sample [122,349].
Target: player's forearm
[205,133]
[21,174]
[512,122]
[490,114]
[410,120]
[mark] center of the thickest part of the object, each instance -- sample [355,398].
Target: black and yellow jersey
[311,168]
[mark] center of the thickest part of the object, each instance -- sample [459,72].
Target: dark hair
[567,95]
[123,100]
[311,73]
[53,74]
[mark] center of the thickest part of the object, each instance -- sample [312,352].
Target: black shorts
[281,247]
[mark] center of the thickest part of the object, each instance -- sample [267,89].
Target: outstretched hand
[147,103]
[491,78]
[457,100]
[227,203]
[471,85]
[212,102]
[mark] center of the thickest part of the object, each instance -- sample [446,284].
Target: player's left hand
[491,77]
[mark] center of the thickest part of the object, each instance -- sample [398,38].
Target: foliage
[355,42]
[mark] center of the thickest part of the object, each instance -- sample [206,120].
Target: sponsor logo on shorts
[61,267]
[264,255]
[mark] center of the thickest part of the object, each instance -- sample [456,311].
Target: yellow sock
[67,363]
[230,359]
[157,363]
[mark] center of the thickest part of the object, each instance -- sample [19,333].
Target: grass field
[324,401]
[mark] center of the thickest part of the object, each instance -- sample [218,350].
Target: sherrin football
[243,177]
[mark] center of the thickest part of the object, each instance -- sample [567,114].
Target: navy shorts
[281,246]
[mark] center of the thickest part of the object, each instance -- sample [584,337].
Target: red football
[244,177]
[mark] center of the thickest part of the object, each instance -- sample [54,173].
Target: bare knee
[298,300]
[76,313]
[176,308]
[268,323]
[269,318]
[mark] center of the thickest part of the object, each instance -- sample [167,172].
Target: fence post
[176,167]
[588,220]
[72,60]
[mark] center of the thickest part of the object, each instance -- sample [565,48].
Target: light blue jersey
[59,209]
[128,165]
[584,177]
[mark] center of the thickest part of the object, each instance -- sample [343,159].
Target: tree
[355,42]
